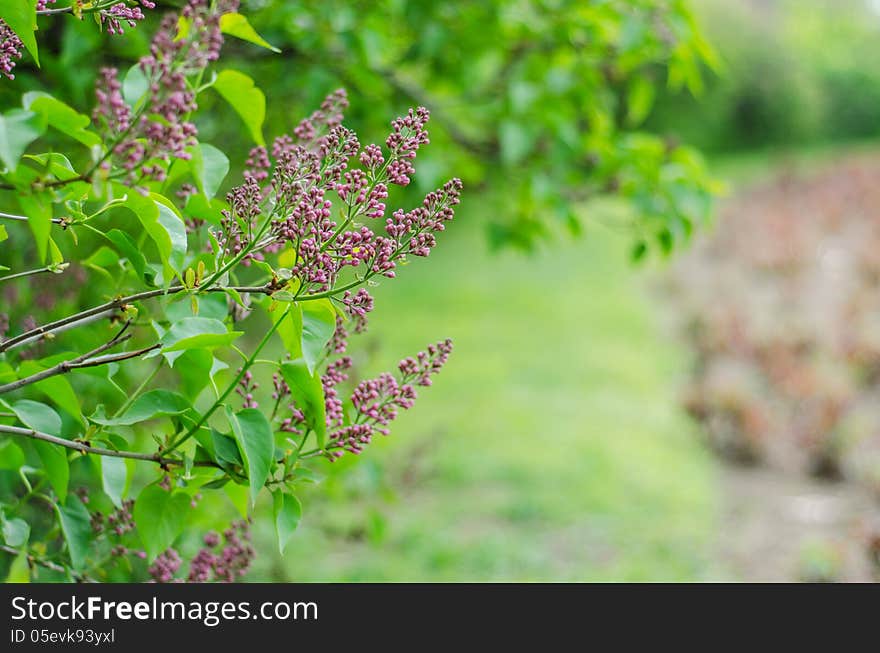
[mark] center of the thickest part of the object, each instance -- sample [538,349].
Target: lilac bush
[134,383]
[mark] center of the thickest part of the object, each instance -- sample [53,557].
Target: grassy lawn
[550,447]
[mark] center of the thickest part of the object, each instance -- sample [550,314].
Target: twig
[48,564]
[109,308]
[22,218]
[57,268]
[85,360]
[99,451]
[69,10]
[233,384]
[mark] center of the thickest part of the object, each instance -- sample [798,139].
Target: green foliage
[18,129]
[160,516]
[793,72]
[253,434]
[21,17]
[536,102]
[238,26]
[248,101]
[287,511]
[306,386]
[318,324]
[75,524]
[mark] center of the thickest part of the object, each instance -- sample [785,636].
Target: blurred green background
[549,448]
[555,445]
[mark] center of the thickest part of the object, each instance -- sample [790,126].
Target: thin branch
[55,268]
[99,451]
[109,308]
[85,360]
[22,218]
[233,384]
[48,564]
[115,358]
[69,10]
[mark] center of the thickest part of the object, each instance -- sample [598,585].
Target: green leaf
[639,100]
[171,221]
[135,85]
[238,26]
[516,141]
[318,325]
[126,246]
[37,416]
[114,478]
[152,404]
[77,529]
[194,368]
[3,235]
[18,129]
[308,392]
[238,495]
[21,16]
[165,228]
[198,333]
[38,209]
[11,455]
[210,211]
[60,116]
[56,389]
[210,167]
[16,531]
[226,451]
[248,101]
[20,569]
[41,417]
[210,305]
[287,512]
[54,163]
[253,433]
[160,517]
[290,329]
[55,255]
[104,260]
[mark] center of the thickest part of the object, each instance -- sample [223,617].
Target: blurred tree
[538,102]
[794,72]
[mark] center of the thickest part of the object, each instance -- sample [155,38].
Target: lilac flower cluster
[426,363]
[309,167]
[339,342]
[335,374]
[212,563]
[114,526]
[227,564]
[160,130]
[407,135]
[165,566]
[376,402]
[286,200]
[10,50]
[246,389]
[357,306]
[123,13]
[239,221]
[296,419]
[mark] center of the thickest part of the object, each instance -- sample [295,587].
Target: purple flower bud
[10,49]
